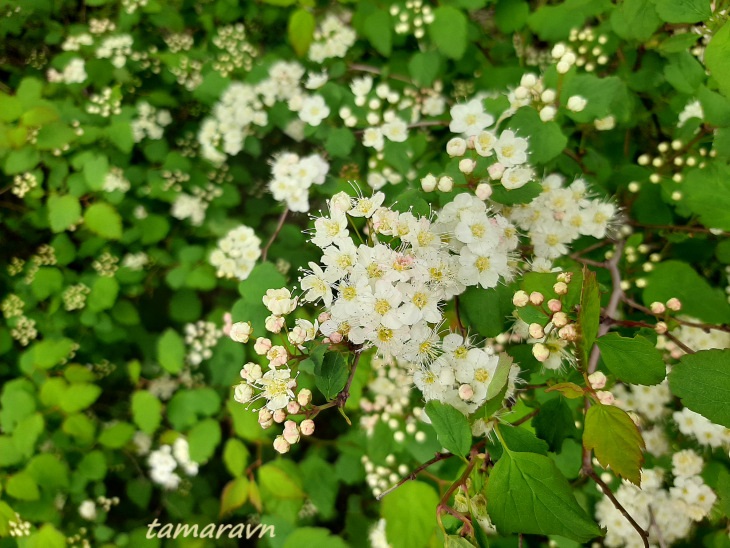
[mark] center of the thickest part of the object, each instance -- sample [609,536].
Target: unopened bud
[597,380]
[536,331]
[304,397]
[483,191]
[281,445]
[274,323]
[568,333]
[292,408]
[536,298]
[307,427]
[674,304]
[445,184]
[466,392]
[657,307]
[279,416]
[661,328]
[467,165]
[555,305]
[291,432]
[605,397]
[520,299]
[262,346]
[241,331]
[428,183]
[561,288]
[496,171]
[541,352]
[560,319]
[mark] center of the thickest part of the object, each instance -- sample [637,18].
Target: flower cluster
[236,254]
[332,38]
[150,122]
[200,338]
[164,462]
[292,176]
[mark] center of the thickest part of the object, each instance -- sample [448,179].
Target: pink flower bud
[307,427]
[597,380]
[265,418]
[323,317]
[496,171]
[674,304]
[536,331]
[520,299]
[336,337]
[657,308]
[227,323]
[304,397]
[661,328]
[240,331]
[555,305]
[606,398]
[560,319]
[262,346]
[483,191]
[281,445]
[568,333]
[467,165]
[279,416]
[466,392]
[541,352]
[565,277]
[291,432]
[292,408]
[536,298]
[274,323]
[561,288]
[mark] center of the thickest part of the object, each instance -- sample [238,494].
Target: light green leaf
[683,11]
[615,440]
[171,351]
[589,317]
[702,381]
[301,30]
[635,361]
[203,438]
[449,31]
[22,486]
[146,411]
[50,352]
[410,516]
[63,211]
[117,435]
[235,457]
[452,427]
[635,20]
[546,140]
[707,193]
[279,482]
[79,396]
[331,376]
[47,537]
[102,219]
[424,66]
[103,294]
[717,58]
[378,29]
[234,495]
[528,494]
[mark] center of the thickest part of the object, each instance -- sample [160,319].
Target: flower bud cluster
[292,175]
[237,253]
[412,18]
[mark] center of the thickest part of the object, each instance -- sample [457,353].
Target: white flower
[576,103]
[279,301]
[396,130]
[456,147]
[470,118]
[87,510]
[511,150]
[314,110]
[277,387]
[516,177]
[372,137]
[241,331]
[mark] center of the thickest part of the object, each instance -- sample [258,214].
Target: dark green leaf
[452,427]
[702,381]
[635,360]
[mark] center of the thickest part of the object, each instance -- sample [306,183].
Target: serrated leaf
[452,427]
[378,29]
[331,376]
[409,514]
[171,351]
[636,360]
[546,140]
[449,31]
[614,438]
[146,411]
[683,11]
[102,219]
[234,495]
[301,30]
[528,494]
[589,317]
[717,58]
[63,211]
[554,423]
[702,381]
[568,389]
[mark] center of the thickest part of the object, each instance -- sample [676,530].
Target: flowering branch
[279,226]
[412,476]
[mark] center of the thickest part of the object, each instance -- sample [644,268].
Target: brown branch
[412,476]
[695,229]
[526,418]
[344,394]
[279,226]
[374,70]
[443,503]
[704,326]
[462,329]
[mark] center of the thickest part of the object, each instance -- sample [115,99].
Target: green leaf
[410,519]
[146,411]
[22,486]
[717,58]
[501,376]
[301,30]
[684,72]
[635,20]
[47,537]
[554,423]
[546,139]
[449,31]
[79,396]
[50,352]
[47,281]
[280,483]
[331,376]
[378,29]
[511,15]
[93,466]
[635,361]
[203,438]
[452,427]
[102,219]
[187,405]
[63,212]
[677,279]
[103,294]
[604,96]
[519,440]
[589,317]
[683,11]
[235,457]
[616,441]
[313,536]
[234,495]
[702,381]
[95,170]
[528,494]
[707,193]
[424,66]
[171,351]
[117,435]
[340,142]
[715,107]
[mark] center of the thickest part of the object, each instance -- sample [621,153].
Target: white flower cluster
[200,337]
[164,462]
[390,295]
[106,103]
[560,215]
[116,48]
[702,429]
[24,183]
[650,402]
[74,43]
[532,91]
[332,38]
[667,514]
[115,180]
[693,109]
[150,122]
[695,338]
[292,176]
[236,254]
[244,105]
[413,17]
[237,52]
[73,73]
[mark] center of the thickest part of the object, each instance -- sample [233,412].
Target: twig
[704,326]
[412,476]
[458,316]
[344,394]
[526,418]
[667,334]
[279,226]
[610,312]
[659,535]
[374,70]
[443,504]
[697,229]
